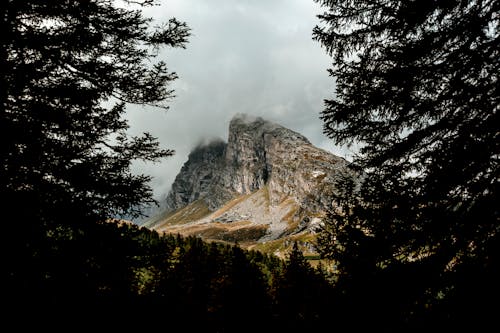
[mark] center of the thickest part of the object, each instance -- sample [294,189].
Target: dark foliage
[119,276]
[303,295]
[67,71]
[417,90]
[68,68]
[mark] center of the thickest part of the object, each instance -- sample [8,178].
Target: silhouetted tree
[417,90]
[67,71]
[301,295]
[244,294]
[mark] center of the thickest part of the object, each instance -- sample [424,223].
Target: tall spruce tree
[67,71]
[417,89]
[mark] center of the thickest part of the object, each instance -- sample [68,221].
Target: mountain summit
[266,183]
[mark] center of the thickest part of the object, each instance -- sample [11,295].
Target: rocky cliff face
[195,180]
[267,176]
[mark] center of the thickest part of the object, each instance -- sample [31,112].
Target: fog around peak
[246,59]
[246,118]
[208,141]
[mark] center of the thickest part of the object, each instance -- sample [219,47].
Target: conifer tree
[296,296]
[417,91]
[68,69]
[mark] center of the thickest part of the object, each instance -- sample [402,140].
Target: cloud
[245,56]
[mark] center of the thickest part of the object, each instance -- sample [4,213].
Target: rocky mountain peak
[250,126]
[195,177]
[252,145]
[265,175]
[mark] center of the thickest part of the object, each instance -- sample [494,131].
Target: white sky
[251,56]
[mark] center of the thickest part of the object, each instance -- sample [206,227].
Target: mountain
[264,188]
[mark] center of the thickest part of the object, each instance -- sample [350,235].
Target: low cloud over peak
[245,57]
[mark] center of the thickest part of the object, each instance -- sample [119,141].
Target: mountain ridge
[267,182]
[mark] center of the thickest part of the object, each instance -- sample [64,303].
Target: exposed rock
[195,180]
[266,174]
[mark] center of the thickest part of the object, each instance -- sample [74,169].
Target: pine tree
[296,296]
[68,69]
[417,91]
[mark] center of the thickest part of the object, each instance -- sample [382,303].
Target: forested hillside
[98,273]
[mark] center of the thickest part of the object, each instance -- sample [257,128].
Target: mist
[255,57]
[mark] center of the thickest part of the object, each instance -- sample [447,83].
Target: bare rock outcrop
[266,175]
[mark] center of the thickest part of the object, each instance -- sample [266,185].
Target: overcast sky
[250,56]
